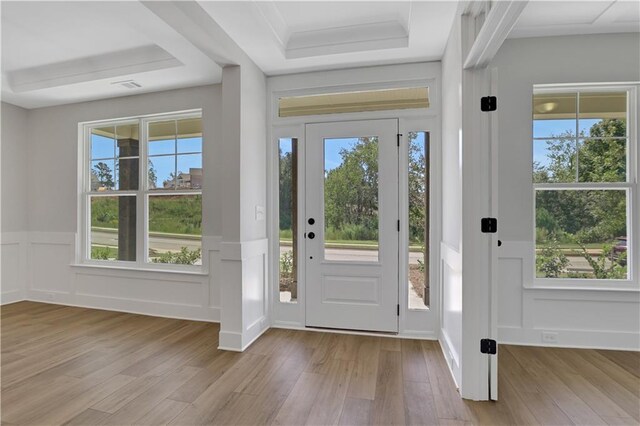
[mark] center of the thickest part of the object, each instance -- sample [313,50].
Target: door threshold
[351,331]
[426,336]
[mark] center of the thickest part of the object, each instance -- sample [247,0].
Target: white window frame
[630,186]
[83,254]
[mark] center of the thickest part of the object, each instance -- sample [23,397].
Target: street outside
[166,243]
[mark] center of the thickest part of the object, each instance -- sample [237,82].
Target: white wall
[14,202]
[14,168]
[451,265]
[605,319]
[51,204]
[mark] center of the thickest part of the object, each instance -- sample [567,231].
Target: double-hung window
[141,199]
[584,179]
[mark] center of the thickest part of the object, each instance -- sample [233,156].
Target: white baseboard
[11,297]
[155,309]
[451,357]
[580,339]
[237,342]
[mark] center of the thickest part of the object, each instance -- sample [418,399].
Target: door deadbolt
[311,221]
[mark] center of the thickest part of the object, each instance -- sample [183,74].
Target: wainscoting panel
[13,254]
[56,279]
[559,317]
[451,319]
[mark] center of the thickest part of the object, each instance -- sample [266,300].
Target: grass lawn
[112,254]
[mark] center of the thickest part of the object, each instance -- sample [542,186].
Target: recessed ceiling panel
[552,18]
[541,13]
[320,15]
[287,37]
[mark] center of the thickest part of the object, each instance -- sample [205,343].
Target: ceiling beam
[115,64]
[497,25]
[193,23]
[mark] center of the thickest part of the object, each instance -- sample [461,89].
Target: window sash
[629,185]
[142,194]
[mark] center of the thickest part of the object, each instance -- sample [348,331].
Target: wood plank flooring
[76,366]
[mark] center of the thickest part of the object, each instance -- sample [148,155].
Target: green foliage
[100,253]
[103,175]
[353,232]
[351,193]
[104,212]
[421,267]
[176,214]
[286,264]
[183,257]
[351,189]
[286,189]
[286,234]
[583,216]
[152,176]
[602,265]
[551,261]
[169,214]
[417,189]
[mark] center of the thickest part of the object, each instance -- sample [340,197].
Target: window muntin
[160,212]
[582,184]
[175,154]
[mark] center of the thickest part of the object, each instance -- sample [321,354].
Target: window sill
[141,270]
[581,285]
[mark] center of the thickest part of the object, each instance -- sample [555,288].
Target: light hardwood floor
[84,366]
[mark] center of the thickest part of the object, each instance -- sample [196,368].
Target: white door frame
[422,324]
[371,286]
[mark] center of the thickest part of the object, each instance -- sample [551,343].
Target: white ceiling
[286,37]
[62,52]
[551,18]
[70,51]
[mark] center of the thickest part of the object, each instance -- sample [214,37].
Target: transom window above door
[355,101]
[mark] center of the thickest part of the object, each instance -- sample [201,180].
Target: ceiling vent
[127,84]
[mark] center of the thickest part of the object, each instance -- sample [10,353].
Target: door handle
[311,235]
[311,221]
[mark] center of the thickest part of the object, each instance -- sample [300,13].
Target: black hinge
[398,311]
[488,346]
[488,103]
[489,225]
[398,225]
[399,135]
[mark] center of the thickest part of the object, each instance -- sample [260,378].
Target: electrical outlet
[549,337]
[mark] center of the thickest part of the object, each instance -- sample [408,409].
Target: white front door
[351,225]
